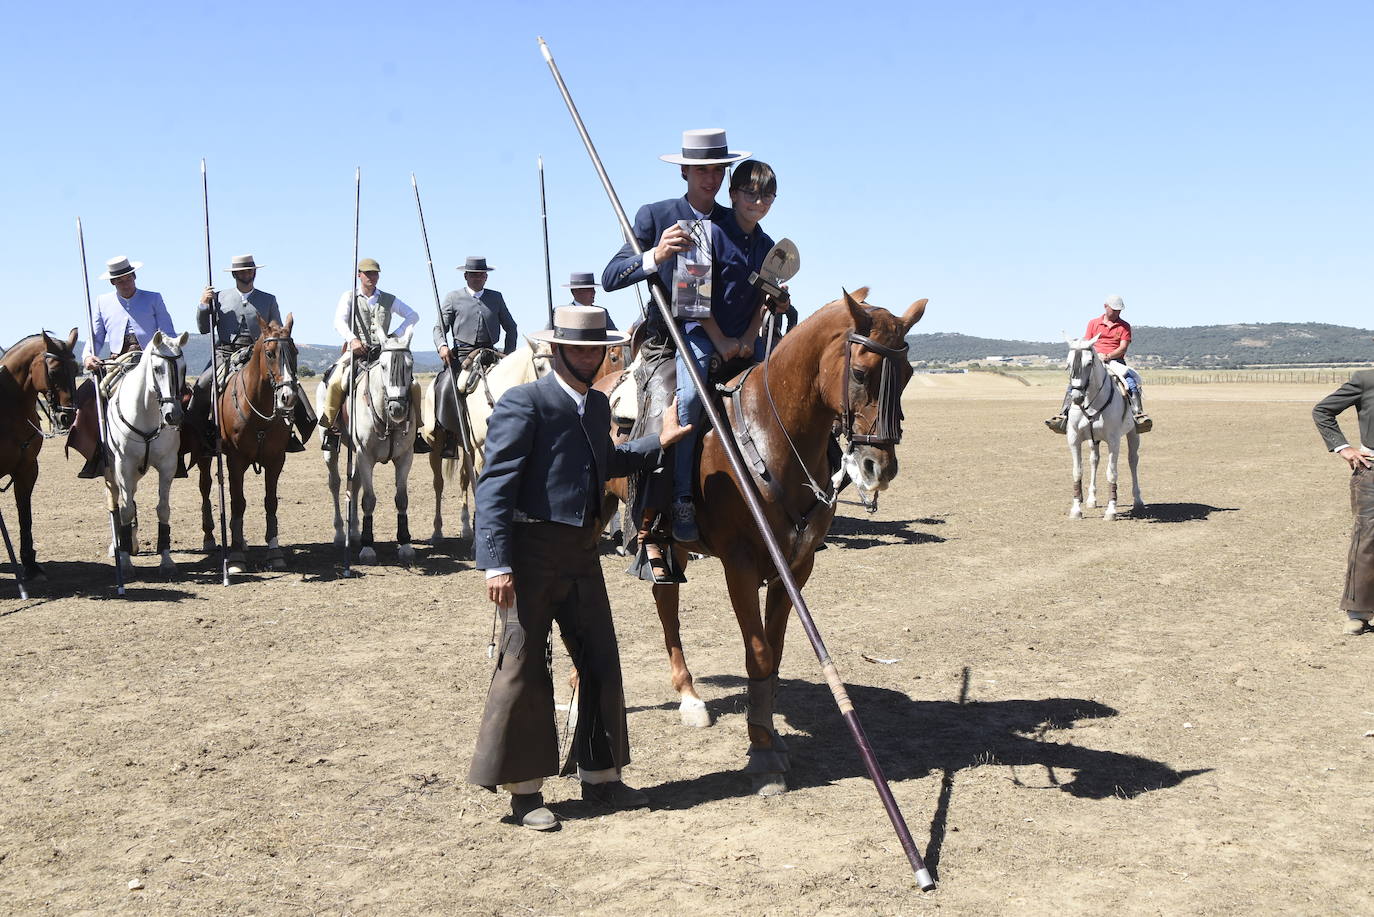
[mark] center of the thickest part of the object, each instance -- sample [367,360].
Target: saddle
[365,362]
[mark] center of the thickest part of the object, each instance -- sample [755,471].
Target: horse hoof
[277,563]
[1075,513]
[208,544]
[367,556]
[406,554]
[237,563]
[769,784]
[693,713]
[436,536]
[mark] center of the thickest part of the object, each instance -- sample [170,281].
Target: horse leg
[436,470]
[1094,455]
[362,475]
[24,479]
[166,470]
[1113,451]
[691,708]
[1133,458]
[271,473]
[207,516]
[405,552]
[767,762]
[1076,450]
[331,463]
[238,505]
[128,510]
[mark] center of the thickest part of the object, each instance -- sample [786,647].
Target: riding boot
[450,445]
[1143,423]
[329,438]
[181,467]
[94,467]
[421,447]
[293,444]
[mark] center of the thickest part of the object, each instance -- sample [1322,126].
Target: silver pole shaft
[214,380]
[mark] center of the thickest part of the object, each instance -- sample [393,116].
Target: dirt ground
[1156,715]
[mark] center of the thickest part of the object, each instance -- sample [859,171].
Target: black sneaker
[614,795]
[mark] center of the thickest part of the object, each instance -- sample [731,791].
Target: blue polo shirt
[734,302]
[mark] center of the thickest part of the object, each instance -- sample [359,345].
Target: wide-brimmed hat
[476,265]
[705,147]
[581,280]
[242,263]
[1115,302]
[119,266]
[369,264]
[580,326]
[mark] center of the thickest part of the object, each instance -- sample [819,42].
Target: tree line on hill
[1213,346]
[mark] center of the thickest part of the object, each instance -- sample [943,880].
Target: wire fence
[1279,376]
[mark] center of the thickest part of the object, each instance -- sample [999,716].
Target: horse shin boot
[767,763]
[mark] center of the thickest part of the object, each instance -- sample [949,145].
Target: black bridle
[886,429]
[59,416]
[278,378]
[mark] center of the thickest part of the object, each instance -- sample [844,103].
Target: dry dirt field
[1152,716]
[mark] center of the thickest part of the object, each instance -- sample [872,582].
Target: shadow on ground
[1177,512]
[860,532]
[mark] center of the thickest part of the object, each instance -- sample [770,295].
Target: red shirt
[1111,335]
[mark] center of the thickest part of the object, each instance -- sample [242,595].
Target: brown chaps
[1359,571]
[557,574]
[85,434]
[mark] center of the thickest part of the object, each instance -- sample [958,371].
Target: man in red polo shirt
[1113,335]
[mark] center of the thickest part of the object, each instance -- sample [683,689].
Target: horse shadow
[915,739]
[858,533]
[1177,512]
[323,561]
[87,579]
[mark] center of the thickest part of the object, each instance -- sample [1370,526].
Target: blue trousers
[689,409]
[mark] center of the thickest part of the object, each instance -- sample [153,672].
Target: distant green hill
[1202,345]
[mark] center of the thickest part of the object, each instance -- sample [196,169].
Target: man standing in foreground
[548,455]
[1357,601]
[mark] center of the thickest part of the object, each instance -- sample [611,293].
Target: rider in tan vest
[362,321]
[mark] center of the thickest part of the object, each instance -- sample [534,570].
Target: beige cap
[369,264]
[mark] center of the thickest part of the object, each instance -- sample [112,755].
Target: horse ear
[262,325]
[71,341]
[913,314]
[1094,339]
[405,338]
[183,338]
[856,311]
[290,320]
[156,340]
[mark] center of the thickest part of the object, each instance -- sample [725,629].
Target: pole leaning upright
[751,499]
[544,221]
[214,379]
[101,415]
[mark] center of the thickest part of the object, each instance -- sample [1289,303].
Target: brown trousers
[1359,570]
[557,578]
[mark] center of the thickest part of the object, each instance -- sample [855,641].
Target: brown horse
[254,426]
[847,363]
[37,364]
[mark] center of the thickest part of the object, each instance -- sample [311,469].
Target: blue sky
[1013,162]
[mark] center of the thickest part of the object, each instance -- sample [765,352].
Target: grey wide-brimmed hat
[1115,302]
[119,266]
[581,280]
[476,265]
[242,263]
[705,147]
[580,326]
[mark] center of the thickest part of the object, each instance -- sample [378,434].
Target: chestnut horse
[37,364]
[846,362]
[254,427]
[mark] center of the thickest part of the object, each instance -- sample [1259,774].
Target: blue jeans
[689,408]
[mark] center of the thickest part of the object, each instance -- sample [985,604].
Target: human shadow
[913,739]
[1177,512]
[854,532]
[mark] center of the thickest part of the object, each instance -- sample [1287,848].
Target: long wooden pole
[100,410]
[352,379]
[544,221]
[214,379]
[751,498]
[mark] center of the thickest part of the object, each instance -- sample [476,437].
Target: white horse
[524,364]
[144,431]
[383,430]
[1099,414]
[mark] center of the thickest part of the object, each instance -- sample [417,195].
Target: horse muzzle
[871,468]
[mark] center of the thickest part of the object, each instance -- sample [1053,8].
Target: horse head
[867,394]
[164,374]
[277,351]
[398,370]
[54,373]
[1082,363]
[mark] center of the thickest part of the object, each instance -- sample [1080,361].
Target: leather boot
[1143,423]
[94,467]
[450,449]
[529,810]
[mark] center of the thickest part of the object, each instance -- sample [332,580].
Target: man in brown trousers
[548,456]
[1358,599]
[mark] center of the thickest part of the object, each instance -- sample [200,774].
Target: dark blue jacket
[547,462]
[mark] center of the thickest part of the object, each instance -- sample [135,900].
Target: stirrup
[1059,423]
[1143,423]
[661,570]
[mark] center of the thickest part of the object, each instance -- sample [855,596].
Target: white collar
[579,398]
[476,294]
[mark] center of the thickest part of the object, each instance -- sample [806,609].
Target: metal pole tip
[924,880]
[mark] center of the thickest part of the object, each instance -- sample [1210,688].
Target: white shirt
[343,314]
